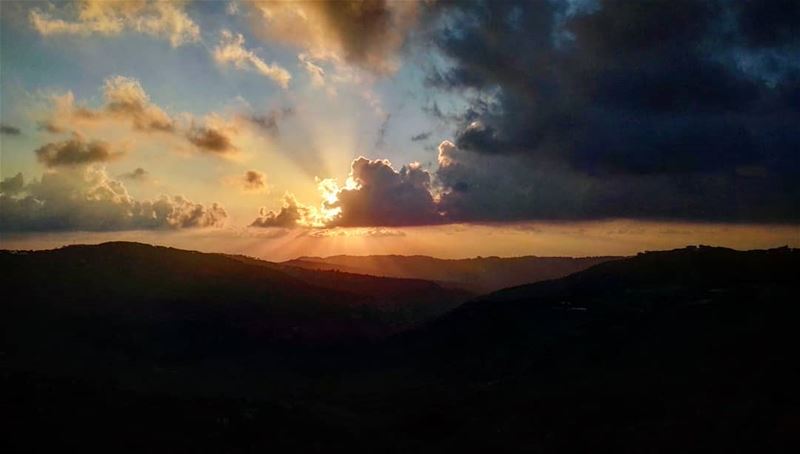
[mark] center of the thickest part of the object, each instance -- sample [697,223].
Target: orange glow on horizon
[620,237]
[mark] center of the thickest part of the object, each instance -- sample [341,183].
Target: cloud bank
[608,109]
[161,19]
[86,199]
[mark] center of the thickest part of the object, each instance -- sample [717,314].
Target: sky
[454,129]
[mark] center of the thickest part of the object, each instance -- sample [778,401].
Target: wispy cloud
[231,50]
[161,19]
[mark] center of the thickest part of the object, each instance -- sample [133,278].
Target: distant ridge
[479,274]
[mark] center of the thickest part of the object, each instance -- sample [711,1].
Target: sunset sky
[280,129]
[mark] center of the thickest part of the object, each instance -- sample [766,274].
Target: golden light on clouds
[156,18]
[399,126]
[367,34]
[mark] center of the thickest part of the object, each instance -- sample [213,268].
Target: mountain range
[129,347]
[478,275]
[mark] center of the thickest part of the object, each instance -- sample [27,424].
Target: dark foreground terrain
[130,348]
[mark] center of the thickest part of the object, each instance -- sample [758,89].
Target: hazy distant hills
[479,275]
[141,348]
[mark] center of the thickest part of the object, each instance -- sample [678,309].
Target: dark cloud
[380,140]
[12,185]
[137,174]
[85,199]
[210,140]
[383,196]
[421,136]
[290,215]
[365,29]
[368,34]
[254,180]
[9,130]
[621,109]
[769,23]
[74,152]
[269,121]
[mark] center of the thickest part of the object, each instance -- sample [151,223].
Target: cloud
[231,50]
[479,187]
[86,199]
[9,130]
[292,214]
[315,71]
[124,100]
[161,19]
[211,139]
[367,34]
[232,9]
[446,150]
[470,187]
[372,232]
[254,181]
[137,174]
[378,195]
[75,152]
[269,121]
[12,185]
[380,140]
[619,109]
[421,136]
[125,96]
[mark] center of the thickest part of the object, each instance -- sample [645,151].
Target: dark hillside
[691,350]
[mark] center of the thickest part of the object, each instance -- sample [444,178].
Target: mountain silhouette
[478,275]
[137,348]
[136,298]
[684,350]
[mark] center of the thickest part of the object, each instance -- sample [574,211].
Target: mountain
[685,350]
[690,350]
[478,275]
[136,299]
[623,291]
